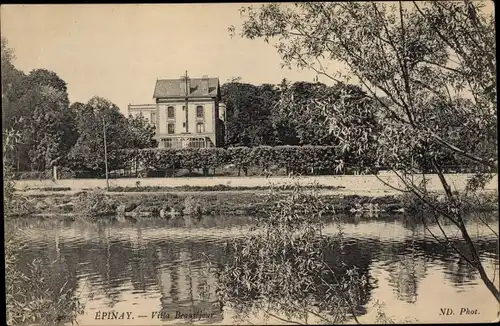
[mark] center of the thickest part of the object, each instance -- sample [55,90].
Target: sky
[117,51]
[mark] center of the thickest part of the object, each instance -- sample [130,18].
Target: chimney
[185,85]
[204,84]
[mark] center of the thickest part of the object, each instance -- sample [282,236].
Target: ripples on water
[159,266]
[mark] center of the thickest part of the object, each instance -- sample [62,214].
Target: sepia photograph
[275,163]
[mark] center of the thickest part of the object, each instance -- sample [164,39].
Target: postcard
[250,163]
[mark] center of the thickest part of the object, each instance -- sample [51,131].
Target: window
[153,119]
[196,143]
[167,142]
[170,112]
[200,127]
[171,128]
[199,112]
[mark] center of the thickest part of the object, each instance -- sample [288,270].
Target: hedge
[63,173]
[294,158]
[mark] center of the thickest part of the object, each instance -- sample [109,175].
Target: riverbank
[165,204]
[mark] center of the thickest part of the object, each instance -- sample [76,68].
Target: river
[156,269]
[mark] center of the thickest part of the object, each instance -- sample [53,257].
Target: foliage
[33,175]
[95,203]
[97,115]
[30,298]
[296,158]
[141,133]
[37,110]
[284,267]
[10,137]
[310,110]
[287,114]
[38,103]
[430,67]
[53,133]
[248,111]
[63,173]
[192,207]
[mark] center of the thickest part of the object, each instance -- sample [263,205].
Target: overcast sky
[118,51]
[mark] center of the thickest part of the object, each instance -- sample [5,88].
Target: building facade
[188,113]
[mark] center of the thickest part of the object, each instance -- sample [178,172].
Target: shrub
[294,158]
[66,173]
[192,207]
[95,203]
[33,175]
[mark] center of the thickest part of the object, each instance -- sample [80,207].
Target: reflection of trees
[407,263]
[112,263]
[353,253]
[143,265]
[459,272]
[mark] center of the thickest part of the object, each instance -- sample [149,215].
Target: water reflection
[161,268]
[406,272]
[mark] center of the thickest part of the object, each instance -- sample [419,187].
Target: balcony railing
[186,142]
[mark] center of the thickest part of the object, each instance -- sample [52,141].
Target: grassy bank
[148,204]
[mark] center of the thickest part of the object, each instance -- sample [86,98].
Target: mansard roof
[171,88]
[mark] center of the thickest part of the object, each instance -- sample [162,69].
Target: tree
[248,111]
[11,77]
[51,125]
[430,67]
[91,119]
[301,108]
[121,133]
[37,106]
[49,78]
[141,133]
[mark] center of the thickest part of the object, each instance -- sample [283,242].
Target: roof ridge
[164,78]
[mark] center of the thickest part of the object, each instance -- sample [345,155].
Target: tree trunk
[477,262]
